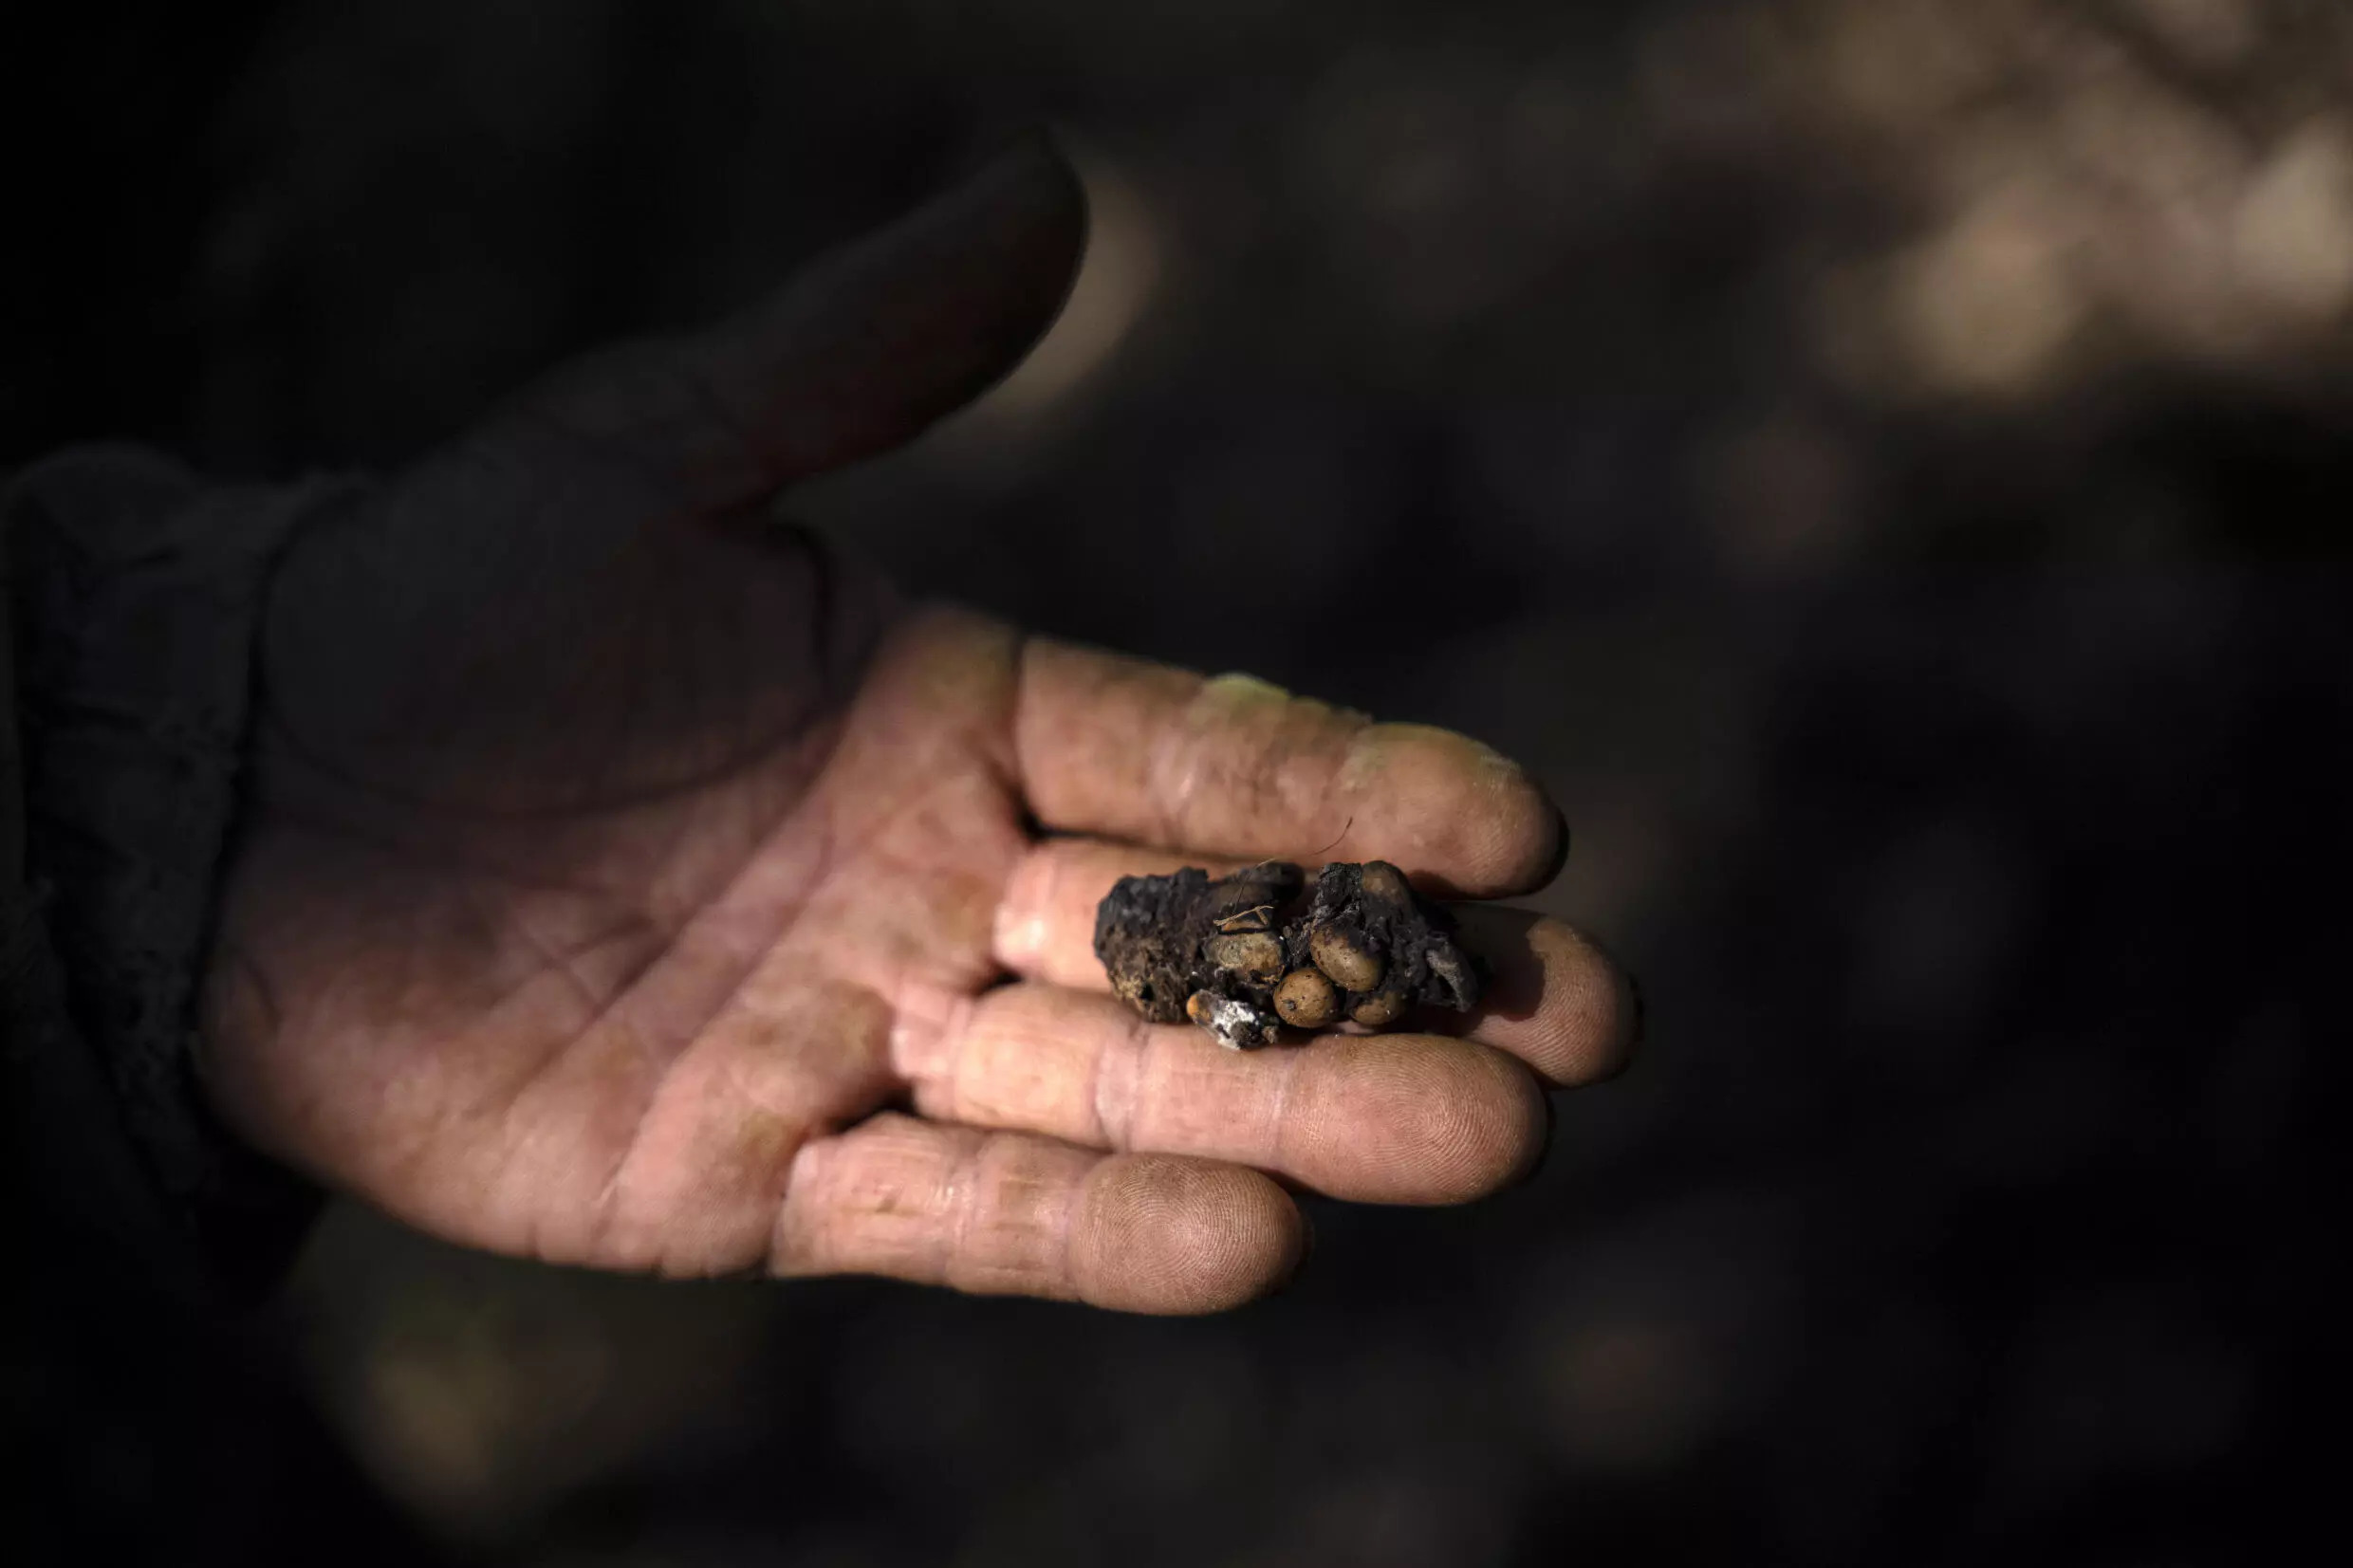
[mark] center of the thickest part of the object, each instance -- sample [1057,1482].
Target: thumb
[857,354]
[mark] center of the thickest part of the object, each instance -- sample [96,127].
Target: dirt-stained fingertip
[1174,1236]
[1531,831]
[1464,819]
[1555,998]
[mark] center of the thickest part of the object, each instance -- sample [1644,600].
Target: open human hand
[630,882]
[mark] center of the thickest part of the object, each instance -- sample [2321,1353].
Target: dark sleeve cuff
[134,598]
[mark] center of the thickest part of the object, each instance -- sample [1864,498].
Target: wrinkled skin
[629,883]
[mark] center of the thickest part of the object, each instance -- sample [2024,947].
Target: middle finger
[1405,1118]
[1555,1000]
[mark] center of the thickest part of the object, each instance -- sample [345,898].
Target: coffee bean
[1305,999]
[1344,959]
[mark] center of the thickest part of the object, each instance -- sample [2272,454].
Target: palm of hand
[594,911]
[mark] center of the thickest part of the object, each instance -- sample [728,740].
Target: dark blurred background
[1884,462]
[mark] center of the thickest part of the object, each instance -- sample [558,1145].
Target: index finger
[1232,765]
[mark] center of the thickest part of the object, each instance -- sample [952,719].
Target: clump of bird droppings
[1244,954]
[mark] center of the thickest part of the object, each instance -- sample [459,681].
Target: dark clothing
[148,1424]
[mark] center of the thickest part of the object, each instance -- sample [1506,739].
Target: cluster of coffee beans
[1242,954]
